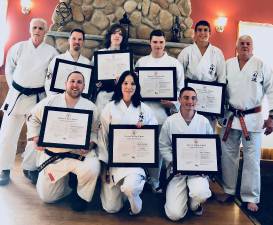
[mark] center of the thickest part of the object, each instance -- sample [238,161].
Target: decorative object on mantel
[176,30]
[64,13]
[125,22]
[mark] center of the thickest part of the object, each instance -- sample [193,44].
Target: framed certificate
[157,83]
[210,95]
[111,64]
[65,128]
[63,68]
[196,154]
[130,146]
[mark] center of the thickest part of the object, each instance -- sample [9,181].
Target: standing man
[76,41]
[184,190]
[201,60]
[26,67]
[244,122]
[52,183]
[159,58]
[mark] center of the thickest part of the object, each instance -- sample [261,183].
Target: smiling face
[188,100]
[245,47]
[37,32]
[128,88]
[158,46]
[202,34]
[76,41]
[116,38]
[75,85]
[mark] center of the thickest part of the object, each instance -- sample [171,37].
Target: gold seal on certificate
[157,83]
[111,64]
[211,97]
[131,146]
[196,154]
[65,128]
[63,68]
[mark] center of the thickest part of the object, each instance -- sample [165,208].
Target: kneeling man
[184,190]
[52,183]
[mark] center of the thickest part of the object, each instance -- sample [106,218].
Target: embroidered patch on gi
[51,177]
[6,106]
[212,69]
[254,76]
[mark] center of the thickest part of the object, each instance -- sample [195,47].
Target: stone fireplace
[95,17]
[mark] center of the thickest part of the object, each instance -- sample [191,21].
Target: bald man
[244,122]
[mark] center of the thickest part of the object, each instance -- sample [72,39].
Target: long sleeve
[268,85]
[165,143]
[221,68]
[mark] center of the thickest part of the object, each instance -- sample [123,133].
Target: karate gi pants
[113,195]
[182,189]
[52,183]
[251,181]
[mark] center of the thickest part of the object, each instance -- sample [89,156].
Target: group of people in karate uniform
[29,69]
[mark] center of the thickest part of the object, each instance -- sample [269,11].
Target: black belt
[27,92]
[55,156]
[240,114]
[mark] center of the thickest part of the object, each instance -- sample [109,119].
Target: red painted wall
[260,11]
[245,10]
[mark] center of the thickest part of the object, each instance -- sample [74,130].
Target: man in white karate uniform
[73,54]
[25,69]
[248,80]
[184,190]
[159,58]
[53,178]
[201,60]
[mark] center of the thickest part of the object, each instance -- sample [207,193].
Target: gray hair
[243,37]
[43,21]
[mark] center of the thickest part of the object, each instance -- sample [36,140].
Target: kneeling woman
[125,108]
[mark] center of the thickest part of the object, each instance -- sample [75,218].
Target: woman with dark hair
[125,108]
[115,39]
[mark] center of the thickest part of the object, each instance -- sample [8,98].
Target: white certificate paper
[66,128]
[210,99]
[156,83]
[196,154]
[112,65]
[133,146]
[65,68]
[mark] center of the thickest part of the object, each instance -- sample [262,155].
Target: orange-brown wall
[236,10]
[260,11]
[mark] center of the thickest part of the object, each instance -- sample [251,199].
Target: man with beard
[52,183]
[73,54]
[25,69]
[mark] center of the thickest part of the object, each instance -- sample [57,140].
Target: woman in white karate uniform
[125,108]
[115,39]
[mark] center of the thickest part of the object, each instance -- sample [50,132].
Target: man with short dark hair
[73,54]
[183,191]
[159,58]
[25,70]
[52,183]
[248,80]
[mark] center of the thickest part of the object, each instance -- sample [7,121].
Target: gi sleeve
[165,143]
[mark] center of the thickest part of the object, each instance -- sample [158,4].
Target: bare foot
[224,198]
[252,207]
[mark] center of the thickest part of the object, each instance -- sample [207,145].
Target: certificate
[65,128]
[111,64]
[130,146]
[210,95]
[157,83]
[196,154]
[63,68]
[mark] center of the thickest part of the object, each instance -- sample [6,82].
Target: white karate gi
[158,109]
[124,182]
[65,56]
[52,181]
[26,65]
[246,89]
[180,187]
[207,67]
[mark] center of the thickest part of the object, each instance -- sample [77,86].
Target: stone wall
[95,17]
